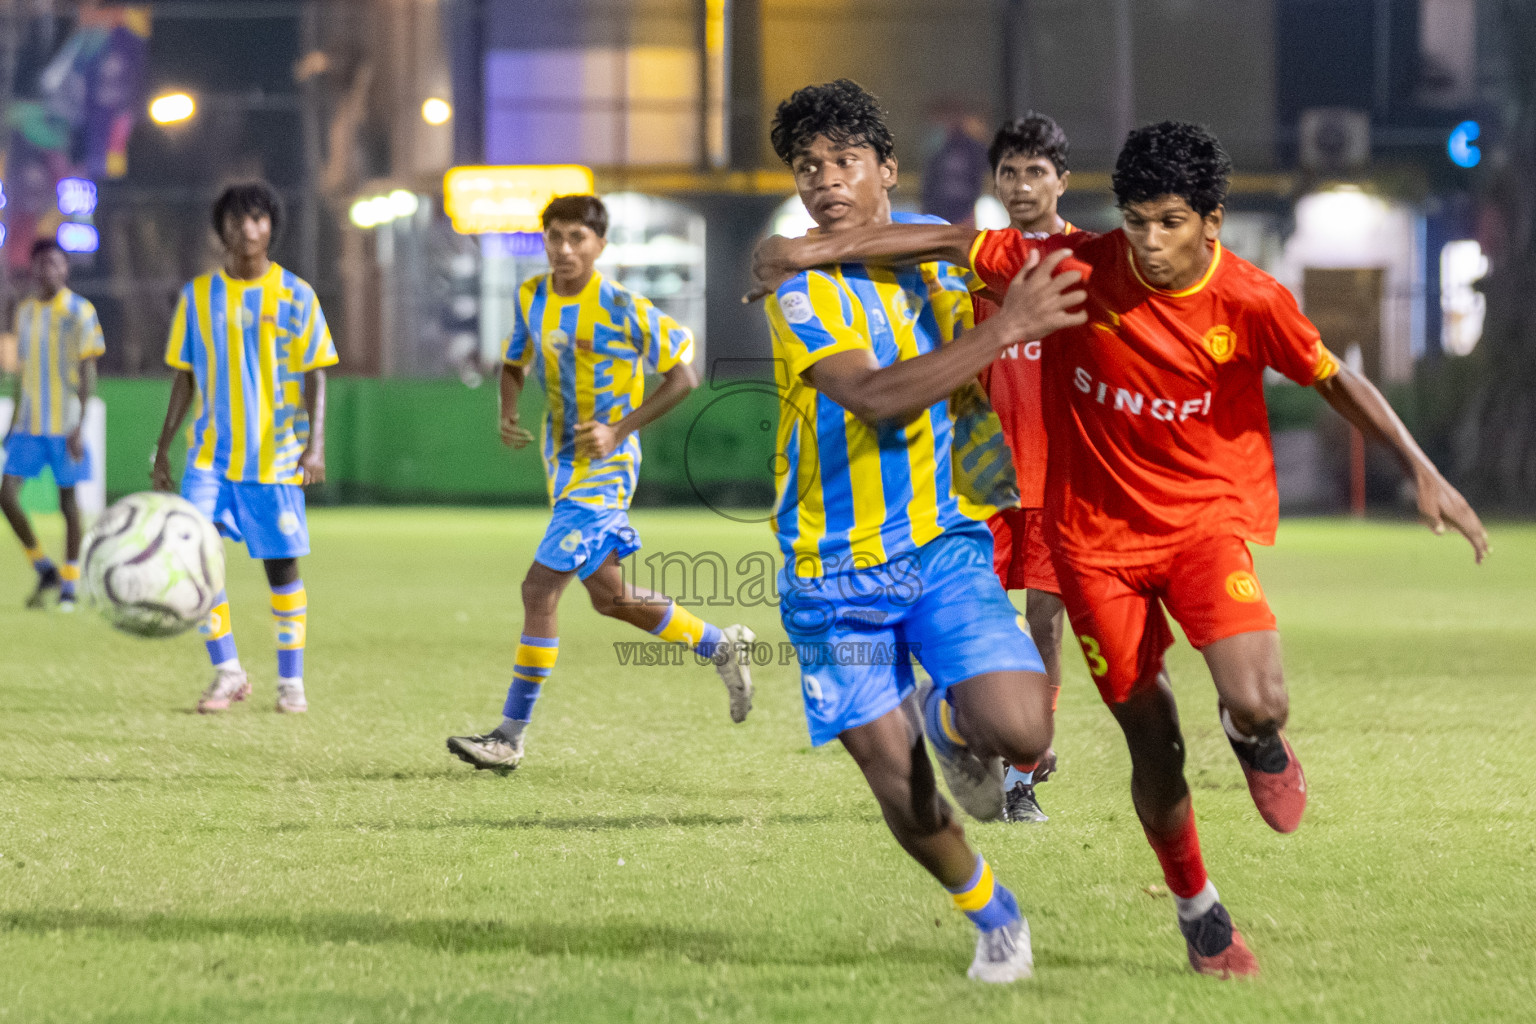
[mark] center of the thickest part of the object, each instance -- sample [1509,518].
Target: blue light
[2,235]
[1459,146]
[77,197]
[3,197]
[516,245]
[78,238]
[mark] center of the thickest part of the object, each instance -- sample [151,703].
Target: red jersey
[1012,383]
[1155,406]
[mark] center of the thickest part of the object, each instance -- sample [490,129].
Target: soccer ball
[152,565]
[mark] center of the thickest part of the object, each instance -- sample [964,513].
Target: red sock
[1179,853]
[1026,768]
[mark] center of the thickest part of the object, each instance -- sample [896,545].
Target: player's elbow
[685,376]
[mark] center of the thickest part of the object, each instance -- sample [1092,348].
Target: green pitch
[653,862]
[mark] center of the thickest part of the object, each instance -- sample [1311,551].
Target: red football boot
[1275,779]
[1216,947]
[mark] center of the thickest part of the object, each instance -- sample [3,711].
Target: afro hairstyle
[1031,135]
[842,111]
[1172,158]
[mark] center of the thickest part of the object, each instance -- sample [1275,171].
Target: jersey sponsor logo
[1022,350]
[1221,342]
[797,307]
[1134,403]
[1243,586]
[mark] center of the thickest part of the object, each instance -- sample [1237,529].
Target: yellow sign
[500,200]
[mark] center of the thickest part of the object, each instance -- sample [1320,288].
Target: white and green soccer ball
[152,565]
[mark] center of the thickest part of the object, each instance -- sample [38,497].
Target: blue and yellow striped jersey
[851,495]
[52,337]
[592,351]
[249,344]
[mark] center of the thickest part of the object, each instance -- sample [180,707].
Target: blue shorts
[27,454]
[856,632]
[580,537]
[268,518]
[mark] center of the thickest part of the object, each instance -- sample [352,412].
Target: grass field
[653,862]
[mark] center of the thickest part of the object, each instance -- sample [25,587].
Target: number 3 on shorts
[1097,666]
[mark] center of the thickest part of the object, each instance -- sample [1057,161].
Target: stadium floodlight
[376,211]
[172,108]
[77,197]
[75,237]
[436,111]
[403,203]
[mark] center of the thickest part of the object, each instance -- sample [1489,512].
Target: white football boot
[733,661]
[228,686]
[290,697]
[1003,955]
[488,751]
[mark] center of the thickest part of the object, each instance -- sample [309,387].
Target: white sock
[1198,904]
[294,683]
[232,665]
[1232,730]
[510,729]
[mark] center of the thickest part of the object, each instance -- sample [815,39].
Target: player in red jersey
[1029,173]
[1161,474]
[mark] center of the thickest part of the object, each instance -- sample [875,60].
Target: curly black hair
[588,210]
[1172,158]
[248,197]
[1031,135]
[842,111]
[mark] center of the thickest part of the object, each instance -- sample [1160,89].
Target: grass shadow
[613,939]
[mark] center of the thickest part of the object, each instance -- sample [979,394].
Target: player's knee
[1018,731]
[1261,707]
[538,595]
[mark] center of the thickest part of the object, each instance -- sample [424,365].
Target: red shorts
[1117,614]
[1020,556]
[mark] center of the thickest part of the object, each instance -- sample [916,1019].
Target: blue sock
[1015,776]
[535,661]
[986,903]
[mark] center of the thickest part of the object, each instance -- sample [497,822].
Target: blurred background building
[1362,131]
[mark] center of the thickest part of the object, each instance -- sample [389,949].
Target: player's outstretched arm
[182,388]
[777,259]
[596,440]
[1358,401]
[312,459]
[512,435]
[1039,301]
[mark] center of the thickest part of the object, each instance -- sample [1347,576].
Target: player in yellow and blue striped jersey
[590,341]
[58,340]
[887,555]
[250,343]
